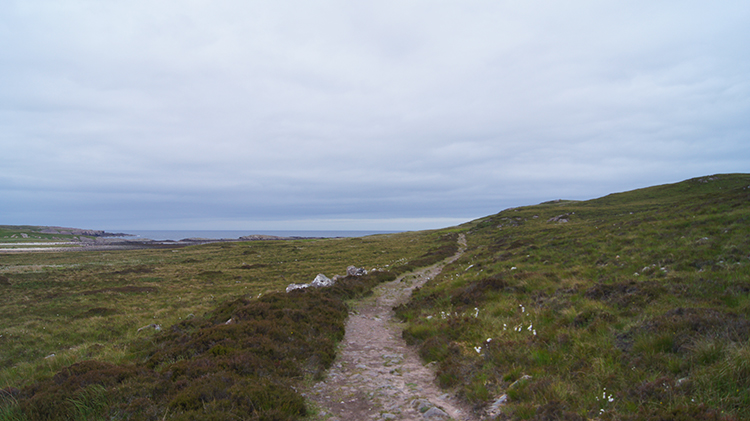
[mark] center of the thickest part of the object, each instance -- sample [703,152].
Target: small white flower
[478,349]
[489,339]
[513,268]
[534,332]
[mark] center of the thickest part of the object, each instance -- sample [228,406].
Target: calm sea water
[162,235]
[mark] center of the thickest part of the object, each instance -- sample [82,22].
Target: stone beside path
[376,376]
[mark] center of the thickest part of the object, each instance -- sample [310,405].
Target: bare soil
[376,375]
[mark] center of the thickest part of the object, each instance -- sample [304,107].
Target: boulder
[435,413]
[560,218]
[292,287]
[321,281]
[355,271]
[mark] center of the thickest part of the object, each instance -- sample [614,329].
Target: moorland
[633,306]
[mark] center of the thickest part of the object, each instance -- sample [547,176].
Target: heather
[242,359]
[634,306]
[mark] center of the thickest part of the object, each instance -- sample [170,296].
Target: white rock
[321,281]
[292,287]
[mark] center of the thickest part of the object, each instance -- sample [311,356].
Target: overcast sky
[391,115]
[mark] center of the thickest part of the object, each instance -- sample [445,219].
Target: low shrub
[240,361]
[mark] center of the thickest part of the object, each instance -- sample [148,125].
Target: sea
[176,235]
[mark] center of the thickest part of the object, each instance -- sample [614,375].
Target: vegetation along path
[376,375]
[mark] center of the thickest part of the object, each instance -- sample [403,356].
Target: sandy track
[376,375]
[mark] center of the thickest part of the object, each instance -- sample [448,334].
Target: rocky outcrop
[78,231]
[262,237]
[322,281]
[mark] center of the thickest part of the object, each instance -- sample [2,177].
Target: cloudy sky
[391,115]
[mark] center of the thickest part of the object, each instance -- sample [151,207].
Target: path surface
[376,376]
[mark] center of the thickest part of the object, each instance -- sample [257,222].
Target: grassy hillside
[634,306]
[10,234]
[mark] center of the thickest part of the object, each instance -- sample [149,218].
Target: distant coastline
[26,238]
[178,235]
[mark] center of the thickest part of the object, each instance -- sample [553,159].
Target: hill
[631,306]
[634,306]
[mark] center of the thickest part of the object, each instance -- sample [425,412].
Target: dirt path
[376,376]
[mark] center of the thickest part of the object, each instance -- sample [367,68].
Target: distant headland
[31,238]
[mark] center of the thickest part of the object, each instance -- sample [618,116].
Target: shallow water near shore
[176,235]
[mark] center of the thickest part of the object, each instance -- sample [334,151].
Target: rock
[502,400]
[496,408]
[292,287]
[435,413]
[321,281]
[355,271]
[421,405]
[560,218]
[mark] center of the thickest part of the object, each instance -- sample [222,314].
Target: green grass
[10,234]
[637,308]
[230,345]
[643,293]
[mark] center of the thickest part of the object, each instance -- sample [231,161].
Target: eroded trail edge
[376,375]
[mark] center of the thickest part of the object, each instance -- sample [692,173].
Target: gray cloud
[392,115]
